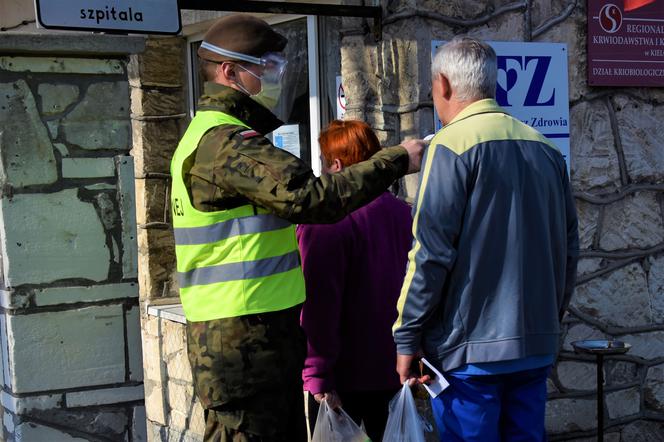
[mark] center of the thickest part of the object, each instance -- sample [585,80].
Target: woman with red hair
[353,272]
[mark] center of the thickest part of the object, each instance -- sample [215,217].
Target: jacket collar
[487,105]
[217,97]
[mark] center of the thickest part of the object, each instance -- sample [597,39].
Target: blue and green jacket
[495,244]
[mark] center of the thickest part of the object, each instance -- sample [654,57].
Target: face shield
[275,94]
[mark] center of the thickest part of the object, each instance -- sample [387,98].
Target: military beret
[240,34]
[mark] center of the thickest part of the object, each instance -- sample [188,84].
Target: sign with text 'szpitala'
[533,87]
[126,16]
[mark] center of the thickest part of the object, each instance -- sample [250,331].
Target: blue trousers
[493,408]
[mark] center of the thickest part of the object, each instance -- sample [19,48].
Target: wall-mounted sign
[341,99]
[287,137]
[126,16]
[625,42]
[532,86]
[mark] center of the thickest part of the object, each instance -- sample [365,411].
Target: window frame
[315,75]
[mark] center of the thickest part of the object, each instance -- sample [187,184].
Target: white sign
[130,16]
[287,137]
[341,99]
[533,87]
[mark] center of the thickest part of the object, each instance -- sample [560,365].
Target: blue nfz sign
[533,87]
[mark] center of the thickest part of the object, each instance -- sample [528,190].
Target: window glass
[294,136]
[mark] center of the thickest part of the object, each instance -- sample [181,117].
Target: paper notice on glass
[438,382]
[287,137]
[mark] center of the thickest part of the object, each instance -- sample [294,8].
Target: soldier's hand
[415,150]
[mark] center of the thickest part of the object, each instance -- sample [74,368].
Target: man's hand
[404,368]
[415,150]
[331,397]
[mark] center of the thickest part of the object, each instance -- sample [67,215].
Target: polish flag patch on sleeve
[249,134]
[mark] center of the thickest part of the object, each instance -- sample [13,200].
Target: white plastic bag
[336,426]
[404,423]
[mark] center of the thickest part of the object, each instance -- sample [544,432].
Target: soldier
[235,200]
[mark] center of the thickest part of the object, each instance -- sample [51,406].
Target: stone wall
[158,118]
[69,322]
[617,164]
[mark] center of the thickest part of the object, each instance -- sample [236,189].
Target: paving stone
[41,229]
[656,287]
[640,127]
[109,422]
[588,216]
[8,422]
[643,431]
[623,403]
[595,159]
[160,64]
[72,295]
[197,420]
[101,119]
[586,266]
[55,339]
[621,372]
[154,144]
[139,425]
[6,375]
[134,345]
[155,401]
[180,401]
[104,397]
[27,404]
[27,152]
[605,298]
[63,65]
[127,203]
[87,167]
[577,375]
[30,432]
[635,221]
[55,98]
[567,415]
[151,102]
[608,437]
[646,345]
[53,128]
[654,388]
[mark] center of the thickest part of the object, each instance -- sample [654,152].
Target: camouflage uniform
[247,369]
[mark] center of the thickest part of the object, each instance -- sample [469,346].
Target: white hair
[470,66]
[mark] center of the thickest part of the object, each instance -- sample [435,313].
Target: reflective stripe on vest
[231,262]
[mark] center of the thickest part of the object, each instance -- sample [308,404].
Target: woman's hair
[351,141]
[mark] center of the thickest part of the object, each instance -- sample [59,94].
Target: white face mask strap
[248,71]
[232,54]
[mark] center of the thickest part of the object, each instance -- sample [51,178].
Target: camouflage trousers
[248,376]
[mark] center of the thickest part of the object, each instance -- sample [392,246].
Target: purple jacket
[353,271]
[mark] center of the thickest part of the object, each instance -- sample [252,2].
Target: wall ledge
[171,312]
[71,44]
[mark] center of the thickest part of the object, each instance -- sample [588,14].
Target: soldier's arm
[274,179]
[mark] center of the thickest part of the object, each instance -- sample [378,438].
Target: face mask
[269,94]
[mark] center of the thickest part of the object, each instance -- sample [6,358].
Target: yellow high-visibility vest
[231,262]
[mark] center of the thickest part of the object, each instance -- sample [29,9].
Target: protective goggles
[274,65]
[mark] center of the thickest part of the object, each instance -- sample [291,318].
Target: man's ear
[445,87]
[227,70]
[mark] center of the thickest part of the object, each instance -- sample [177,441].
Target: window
[314,78]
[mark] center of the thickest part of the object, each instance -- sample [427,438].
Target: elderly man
[494,258]
[235,200]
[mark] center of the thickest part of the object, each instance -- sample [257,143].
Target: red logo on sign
[610,18]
